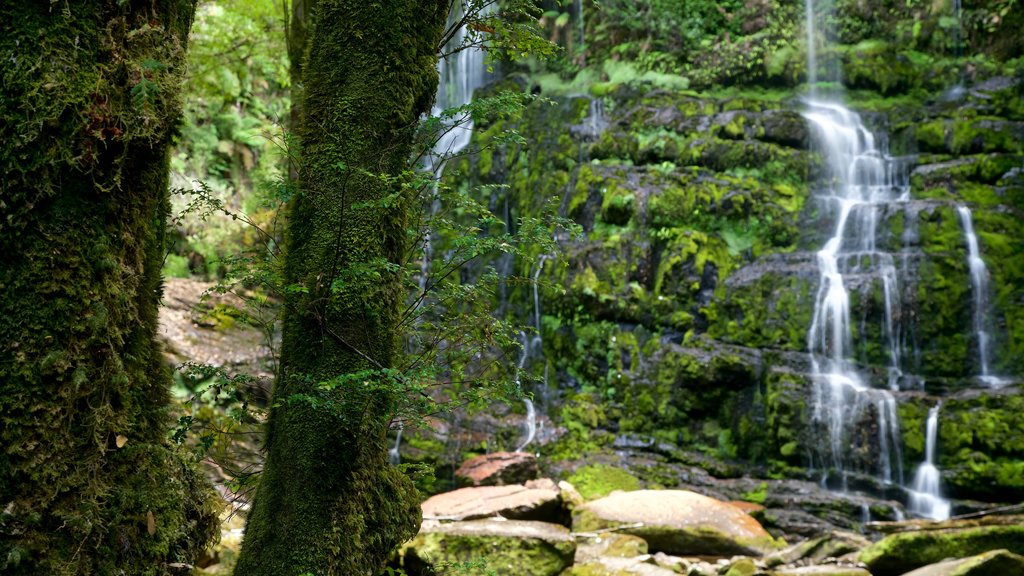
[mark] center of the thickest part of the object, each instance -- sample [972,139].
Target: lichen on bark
[328,502]
[90,100]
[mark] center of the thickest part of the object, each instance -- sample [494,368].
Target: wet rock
[742,567]
[824,570]
[677,522]
[989,563]
[609,544]
[618,567]
[538,501]
[571,497]
[906,551]
[833,545]
[509,547]
[785,127]
[498,469]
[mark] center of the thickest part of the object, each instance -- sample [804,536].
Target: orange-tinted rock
[677,522]
[498,469]
[539,502]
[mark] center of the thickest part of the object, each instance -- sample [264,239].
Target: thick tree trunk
[328,502]
[88,103]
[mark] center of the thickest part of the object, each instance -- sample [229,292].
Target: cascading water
[460,74]
[925,498]
[532,347]
[394,456]
[862,182]
[979,287]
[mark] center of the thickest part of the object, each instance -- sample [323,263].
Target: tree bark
[328,502]
[89,483]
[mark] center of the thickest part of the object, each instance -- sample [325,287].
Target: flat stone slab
[987,564]
[900,553]
[822,570]
[609,566]
[677,522]
[498,469]
[538,500]
[509,547]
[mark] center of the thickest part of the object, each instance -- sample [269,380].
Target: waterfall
[531,413]
[979,286]
[578,4]
[532,347]
[925,499]
[460,74]
[863,181]
[393,455]
[531,425]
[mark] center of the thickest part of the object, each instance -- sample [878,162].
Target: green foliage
[231,141]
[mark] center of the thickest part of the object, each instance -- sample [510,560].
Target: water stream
[982,307]
[862,182]
[925,498]
[460,74]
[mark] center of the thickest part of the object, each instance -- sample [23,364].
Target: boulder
[992,562]
[498,469]
[836,544]
[607,566]
[538,500]
[822,570]
[610,545]
[509,547]
[902,552]
[677,522]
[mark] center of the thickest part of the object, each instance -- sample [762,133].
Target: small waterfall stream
[980,289]
[460,74]
[925,498]
[532,347]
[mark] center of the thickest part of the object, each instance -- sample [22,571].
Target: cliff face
[680,322]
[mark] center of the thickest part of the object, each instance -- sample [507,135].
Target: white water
[862,183]
[925,498]
[980,289]
[393,455]
[531,425]
[460,74]
[532,347]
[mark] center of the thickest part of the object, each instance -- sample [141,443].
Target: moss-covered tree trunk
[328,502]
[89,484]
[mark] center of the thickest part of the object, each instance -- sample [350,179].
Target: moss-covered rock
[900,553]
[676,522]
[509,548]
[993,562]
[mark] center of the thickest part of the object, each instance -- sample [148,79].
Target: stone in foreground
[822,570]
[677,522]
[902,552]
[498,469]
[539,500]
[987,564]
[608,566]
[509,547]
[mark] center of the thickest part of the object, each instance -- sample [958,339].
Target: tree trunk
[328,502]
[88,103]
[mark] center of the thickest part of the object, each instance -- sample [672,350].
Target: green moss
[496,552]
[90,105]
[900,553]
[370,74]
[599,480]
